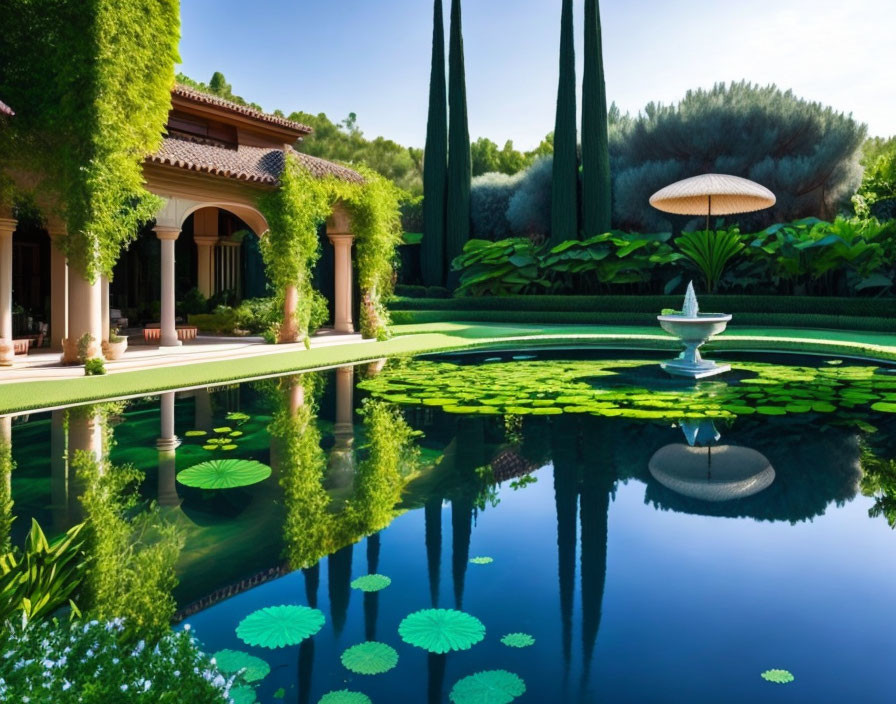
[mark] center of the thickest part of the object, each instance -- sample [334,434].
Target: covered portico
[216,156]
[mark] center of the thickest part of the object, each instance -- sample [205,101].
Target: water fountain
[694,329]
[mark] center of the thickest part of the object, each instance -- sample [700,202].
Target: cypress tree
[460,169]
[565,178]
[435,164]
[596,196]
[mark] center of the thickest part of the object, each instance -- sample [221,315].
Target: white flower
[146,685]
[187,626]
[124,688]
[66,685]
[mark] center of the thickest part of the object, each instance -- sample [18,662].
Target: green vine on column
[295,212]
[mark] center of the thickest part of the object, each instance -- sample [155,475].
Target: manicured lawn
[430,337]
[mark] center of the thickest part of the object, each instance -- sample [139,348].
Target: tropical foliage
[849,256]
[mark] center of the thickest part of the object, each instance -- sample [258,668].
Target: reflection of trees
[564,442]
[435,680]
[339,577]
[6,467]
[372,599]
[879,483]
[432,514]
[468,455]
[132,549]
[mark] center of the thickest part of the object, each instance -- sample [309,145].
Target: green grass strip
[421,339]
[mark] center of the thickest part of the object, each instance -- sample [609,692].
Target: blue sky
[372,57]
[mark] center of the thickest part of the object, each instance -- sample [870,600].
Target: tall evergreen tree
[460,169]
[435,162]
[596,195]
[565,180]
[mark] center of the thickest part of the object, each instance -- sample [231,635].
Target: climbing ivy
[295,212]
[91,100]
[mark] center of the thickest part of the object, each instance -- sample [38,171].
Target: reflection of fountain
[701,471]
[694,329]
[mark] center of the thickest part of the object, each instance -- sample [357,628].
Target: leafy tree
[217,85]
[457,223]
[879,180]
[565,175]
[489,200]
[596,193]
[807,154]
[435,165]
[485,157]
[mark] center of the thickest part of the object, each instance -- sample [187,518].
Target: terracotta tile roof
[5,109]
[253,164]
[205,98]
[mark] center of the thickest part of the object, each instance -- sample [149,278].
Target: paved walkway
[45,366]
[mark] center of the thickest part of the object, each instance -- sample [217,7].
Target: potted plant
[115,347]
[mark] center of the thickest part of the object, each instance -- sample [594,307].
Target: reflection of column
[58,472]
[202,410]
[167,237]
[375,367]
[5,482]
[58,287]
[85,440]
[7,227]
[84,317]
[342,318]
[341,464]
[167,445]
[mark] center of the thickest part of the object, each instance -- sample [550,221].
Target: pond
[638,538]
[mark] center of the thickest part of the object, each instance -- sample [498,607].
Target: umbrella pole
[708,211]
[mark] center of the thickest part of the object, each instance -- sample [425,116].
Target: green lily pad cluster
[224,474]
[371,582]
[441,630]
[518,640]
[370,658]
[224,438]
[251,668]
[632,389]
[778,676]
[488,687]
[279,626]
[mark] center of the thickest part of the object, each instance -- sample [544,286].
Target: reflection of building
[341,464]
[167,445]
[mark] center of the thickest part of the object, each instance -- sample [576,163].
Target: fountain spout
[691,308]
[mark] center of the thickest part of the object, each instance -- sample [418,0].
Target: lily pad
[371,582]
[243,694]
[488,687]
[223,429]
[370,658]
[280,626]
[280,693]
[518,640]
[224,474]
[234,433]
[344,696]
[884,407]
[195,433]
[238,416]
[441,630]
[482,560]
[209,447]
[778,676]
[229,447]
[233,661]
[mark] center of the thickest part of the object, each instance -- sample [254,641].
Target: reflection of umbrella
[713,194]
[723,473]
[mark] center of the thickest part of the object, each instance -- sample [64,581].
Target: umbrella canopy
[5,109]
[713,194]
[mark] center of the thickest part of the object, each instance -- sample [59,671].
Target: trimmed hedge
[782,305]
[596,317]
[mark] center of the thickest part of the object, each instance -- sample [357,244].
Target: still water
[660,542]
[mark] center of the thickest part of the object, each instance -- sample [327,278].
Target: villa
[216,159]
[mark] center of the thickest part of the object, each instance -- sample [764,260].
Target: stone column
[84,317]
[104,307]
[58,287]
[205,235]
[167,236]
[7,227]
[342,243]
[167,445]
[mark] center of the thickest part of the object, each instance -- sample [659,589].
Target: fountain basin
[694,331]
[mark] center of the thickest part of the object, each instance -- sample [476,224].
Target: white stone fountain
[694,329]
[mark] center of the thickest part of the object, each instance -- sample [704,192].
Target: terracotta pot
[114,350]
